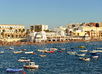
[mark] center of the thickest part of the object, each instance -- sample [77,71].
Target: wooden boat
[96,57]
[53,49]
[81,47]
[1,51]
[29,52]
[97,50]
[11,48]
[42,55]
[83,50]
[84,59]
[80,54]
[31,65]
[23,49]
[71,53]
[41,50]
[14,69]
[24,59]
[49,51]
[17,52]
[62,48]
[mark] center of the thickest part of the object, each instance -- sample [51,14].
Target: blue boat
[94,53]
[14,69]
[1,51]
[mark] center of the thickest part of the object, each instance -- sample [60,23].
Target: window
[73,25]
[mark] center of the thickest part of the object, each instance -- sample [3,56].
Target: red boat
[49,51]
[42,55]
[60,51]
[23,49]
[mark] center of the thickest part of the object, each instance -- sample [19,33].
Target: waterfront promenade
[22,41]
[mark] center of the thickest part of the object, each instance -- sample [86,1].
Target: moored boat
[23,49]
[49,51]
[1,51]
[60,51]
[94,53]
[11,48]
[83,50]
[71,53]
[42,55]
[53,49]
[80,54]
[32,53]
[41,50]
[31,65]
[14,69]
[62,48]
[81,47]
[96,57]
[17,52]
[24,59]
[29,52]
[84,59]
[97,50]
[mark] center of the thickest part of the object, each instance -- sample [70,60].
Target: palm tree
[16,30]
[27,32]
[10,28]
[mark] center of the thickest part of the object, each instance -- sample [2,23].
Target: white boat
[11,48]
[97,50]
[80,54]
[51,49]
[17,52]
[84,59]
[83,50]
[28,52]
[41,50]
[71,53]
[31,65]
[24,59]
[62,48]
[96,57]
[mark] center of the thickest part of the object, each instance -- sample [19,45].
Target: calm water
[56,63]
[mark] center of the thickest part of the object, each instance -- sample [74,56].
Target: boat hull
[14,70]
[31,67]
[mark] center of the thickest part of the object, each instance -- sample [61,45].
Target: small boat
[60,51]
[23,49]
[72,48]
[42,55]
[94,53]
[80,54]
[62,48]
[71,53]
[11,48]
[31,65]
[49,51]
[14,69]
[17,52]
[41,50]
[83,50]
[99,48]
[96,57]
[84,59]
[24,59]
[81,47]
[53,49]
[32,53]
[1,51]
[29,52]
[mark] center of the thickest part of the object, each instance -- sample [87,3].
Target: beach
[22,41]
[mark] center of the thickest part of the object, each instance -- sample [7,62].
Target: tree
[66,31]
[75,29]
[27,32]
[16,30]
[10,28]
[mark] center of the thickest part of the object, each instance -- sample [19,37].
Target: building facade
[12,31]
[38,28]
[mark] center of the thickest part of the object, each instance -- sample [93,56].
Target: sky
[53,13]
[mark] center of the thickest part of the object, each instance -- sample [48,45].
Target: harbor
[57,62]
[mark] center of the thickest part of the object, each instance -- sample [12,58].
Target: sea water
[53,63]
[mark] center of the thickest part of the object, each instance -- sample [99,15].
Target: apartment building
[12,31]
[38,28]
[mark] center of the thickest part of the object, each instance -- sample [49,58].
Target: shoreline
[18,43]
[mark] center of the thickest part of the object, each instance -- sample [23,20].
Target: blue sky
[53,13]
